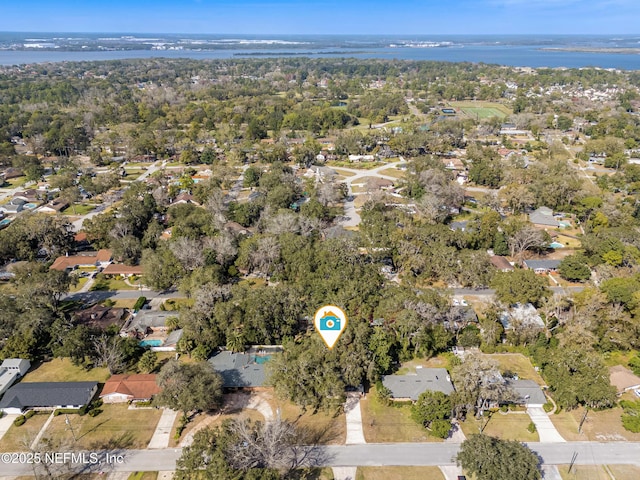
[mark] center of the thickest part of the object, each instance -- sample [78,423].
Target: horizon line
[617,34]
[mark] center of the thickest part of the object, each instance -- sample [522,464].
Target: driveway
[546,429]
[162,435]
[353,413]
[5,423]
[344,473]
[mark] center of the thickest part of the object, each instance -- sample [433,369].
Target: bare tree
[208,295]
[266,255]
[108,353]
[524,239]
[224,247]
[189,252]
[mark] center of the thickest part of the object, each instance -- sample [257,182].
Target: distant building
[521,316]
[147,322]
[409,387]
[542,266]
[501,263]
[118,269]
[55,206]
[100,317]
[11,370]
[101,258]
[543,216]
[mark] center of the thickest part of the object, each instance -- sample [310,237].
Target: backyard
[62,370]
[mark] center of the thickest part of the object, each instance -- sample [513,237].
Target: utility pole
[70,427]
[584,418]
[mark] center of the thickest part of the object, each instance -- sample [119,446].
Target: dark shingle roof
[48,394]
[238,370]
[528,388]
[411,386]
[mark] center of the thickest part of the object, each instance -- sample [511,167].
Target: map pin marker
[330,321]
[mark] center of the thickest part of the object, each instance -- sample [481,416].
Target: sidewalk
[344,473]
[451,472]
[36,440]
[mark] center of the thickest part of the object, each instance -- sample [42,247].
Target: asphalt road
[397,454]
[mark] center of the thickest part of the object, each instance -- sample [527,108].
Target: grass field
[81,209]
[382,423]
[62,370]
[602,426]
[143,476]
[482,109]
[399,473]
[324,427]
[18,439]
[115,427]
[511,426]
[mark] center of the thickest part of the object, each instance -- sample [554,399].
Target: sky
[373,17]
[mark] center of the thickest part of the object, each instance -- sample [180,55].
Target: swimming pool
[556,245]
[151,343]
[260,359]
[30,206]
[5,222]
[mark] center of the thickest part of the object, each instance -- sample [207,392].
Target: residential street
[397,454]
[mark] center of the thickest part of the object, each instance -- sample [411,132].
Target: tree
[189,387]
[490,458]
[114,352]
[432,410]
[520,286]
[574,268]
[148,362]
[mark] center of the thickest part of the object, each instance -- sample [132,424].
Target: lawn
[115,427]
[382,423]
[109,284]
[323,427]
[18,439]
[504,111]
[510,426]
[15,182]
[143,476]
[81,209]
[399,473]
[79,285]
[62,370]
[344,173]
[393,172]
[355,165]
[602,426]
[517,363]
[599,472]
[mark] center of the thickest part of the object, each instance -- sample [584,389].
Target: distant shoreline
[625,51]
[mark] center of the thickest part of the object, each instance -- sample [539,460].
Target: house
[521,316]
[409,387]
[30,196]
[118,269]
[146,322]
[543,216]
[501,263]
[98,259]
[462,226]
[15,205]
[47,396]
[55,206]
[130,388]
[623,379]
[11,370]
[239,370]
[528,392]
[100,317]
[11,172]
[185,198]
[542,266]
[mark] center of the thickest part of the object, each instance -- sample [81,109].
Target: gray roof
[151,318]
[412,385]
[7,377]
[528,388]
[173,338]
[541,219]
[546,264]
[18,363]
[239,370]
[48,394]
[458,225]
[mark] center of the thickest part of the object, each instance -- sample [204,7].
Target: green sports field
[480,110]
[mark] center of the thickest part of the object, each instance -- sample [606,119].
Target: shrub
[531,427]
[95,412]
[20,420]
[548,407]
[30,414]
[631,415]
[139,303]
[440,428]
[504,408]
[62,411]
[383,394]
